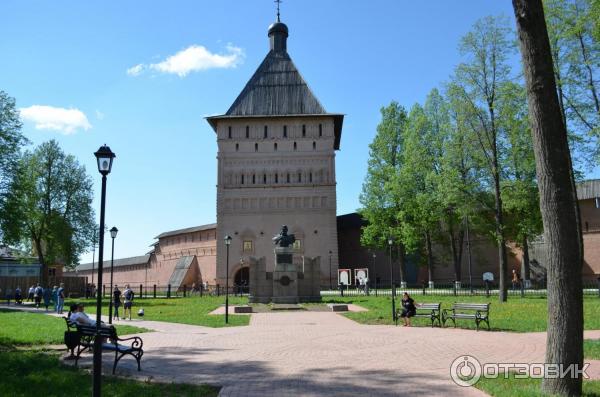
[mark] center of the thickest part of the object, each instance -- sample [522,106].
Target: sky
[141,76]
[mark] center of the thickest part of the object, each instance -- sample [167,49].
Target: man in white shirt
[80,317]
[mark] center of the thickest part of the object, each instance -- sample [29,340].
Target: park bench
[133,345]
[426,310]
[476,311]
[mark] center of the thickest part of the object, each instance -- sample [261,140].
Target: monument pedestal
[285,277]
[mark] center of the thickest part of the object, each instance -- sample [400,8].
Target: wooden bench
[133,346]
[477,311]
[426,310]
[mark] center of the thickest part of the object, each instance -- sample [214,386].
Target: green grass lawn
[191,310]
[26,328]
[512,387]
[591,349]
[518,314]
[28,373]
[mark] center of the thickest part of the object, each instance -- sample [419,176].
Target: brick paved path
[324,354]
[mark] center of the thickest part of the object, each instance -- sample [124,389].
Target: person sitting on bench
[408,309]
[80,317]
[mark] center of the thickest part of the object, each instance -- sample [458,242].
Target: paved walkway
[324,354]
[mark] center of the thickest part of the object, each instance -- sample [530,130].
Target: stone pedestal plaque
[285,277]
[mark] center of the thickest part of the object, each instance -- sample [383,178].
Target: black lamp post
[104,157]
[330,285]
[373,267]
[227,244]
[390,242]
[113,234]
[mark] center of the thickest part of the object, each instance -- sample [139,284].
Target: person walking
[128,295]
[18,296]
[60,298]
[55,297]
[30,293]
[116,302]
[47,295]
[38,292]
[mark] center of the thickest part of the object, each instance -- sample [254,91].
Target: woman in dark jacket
[408,309]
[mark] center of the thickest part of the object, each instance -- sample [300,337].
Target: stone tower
[276,166]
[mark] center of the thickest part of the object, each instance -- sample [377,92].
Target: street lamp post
[390,242]
[227,244]
[372,267]
[330,285]
[113,234]
[104,157]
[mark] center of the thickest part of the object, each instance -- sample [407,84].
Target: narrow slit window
[265,179]
[253,179]
[256,147]
[310,177]
[314,145]
[237,147]
[276,178]
[288,178]
[247,131]
[303,130]
[229,132]
[275,146]
[242,179]
[285,131]
[299,178]
[320,129]
[295,146]
[266,132]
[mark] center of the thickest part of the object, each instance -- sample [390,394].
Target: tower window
[242,179]
[288,178]
[295,146]
[275,146]
[285,131]
[310,177]
[265,179]
[247,247]
[247,131]
[265,132]
[237,147]
[303,130]
[276,178]
[253,179]
[256,147]
[229,132]
[320,129]
[299,178]
[314,145]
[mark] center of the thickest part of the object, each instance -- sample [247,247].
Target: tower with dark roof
[276,165]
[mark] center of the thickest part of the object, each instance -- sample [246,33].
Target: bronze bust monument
[283,239]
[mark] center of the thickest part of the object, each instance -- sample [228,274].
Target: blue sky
[67,63]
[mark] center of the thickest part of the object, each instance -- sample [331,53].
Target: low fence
[74,286]
[168,291]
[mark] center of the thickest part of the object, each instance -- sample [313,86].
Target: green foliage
[573,34]
[26,328]
[26,373]
[49,206]
[11,140]
[511,387]
[379,204]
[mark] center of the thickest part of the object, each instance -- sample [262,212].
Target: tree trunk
[503,265]
[402,262]
[44,265]
[558,199]
[526,270]
[456,245]
[429,256]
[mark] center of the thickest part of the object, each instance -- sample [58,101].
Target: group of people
[54,296]
[127,296]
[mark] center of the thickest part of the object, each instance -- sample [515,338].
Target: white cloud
[193,59]
[135,70]
[65,121]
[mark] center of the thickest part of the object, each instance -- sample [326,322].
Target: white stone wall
[265,182]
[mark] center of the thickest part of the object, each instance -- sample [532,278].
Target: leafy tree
[415,184]
[11,141]
[379,205]
[49,206]
[558,199]
[477,85]
[519,187]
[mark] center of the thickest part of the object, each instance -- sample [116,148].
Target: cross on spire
[278,2]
